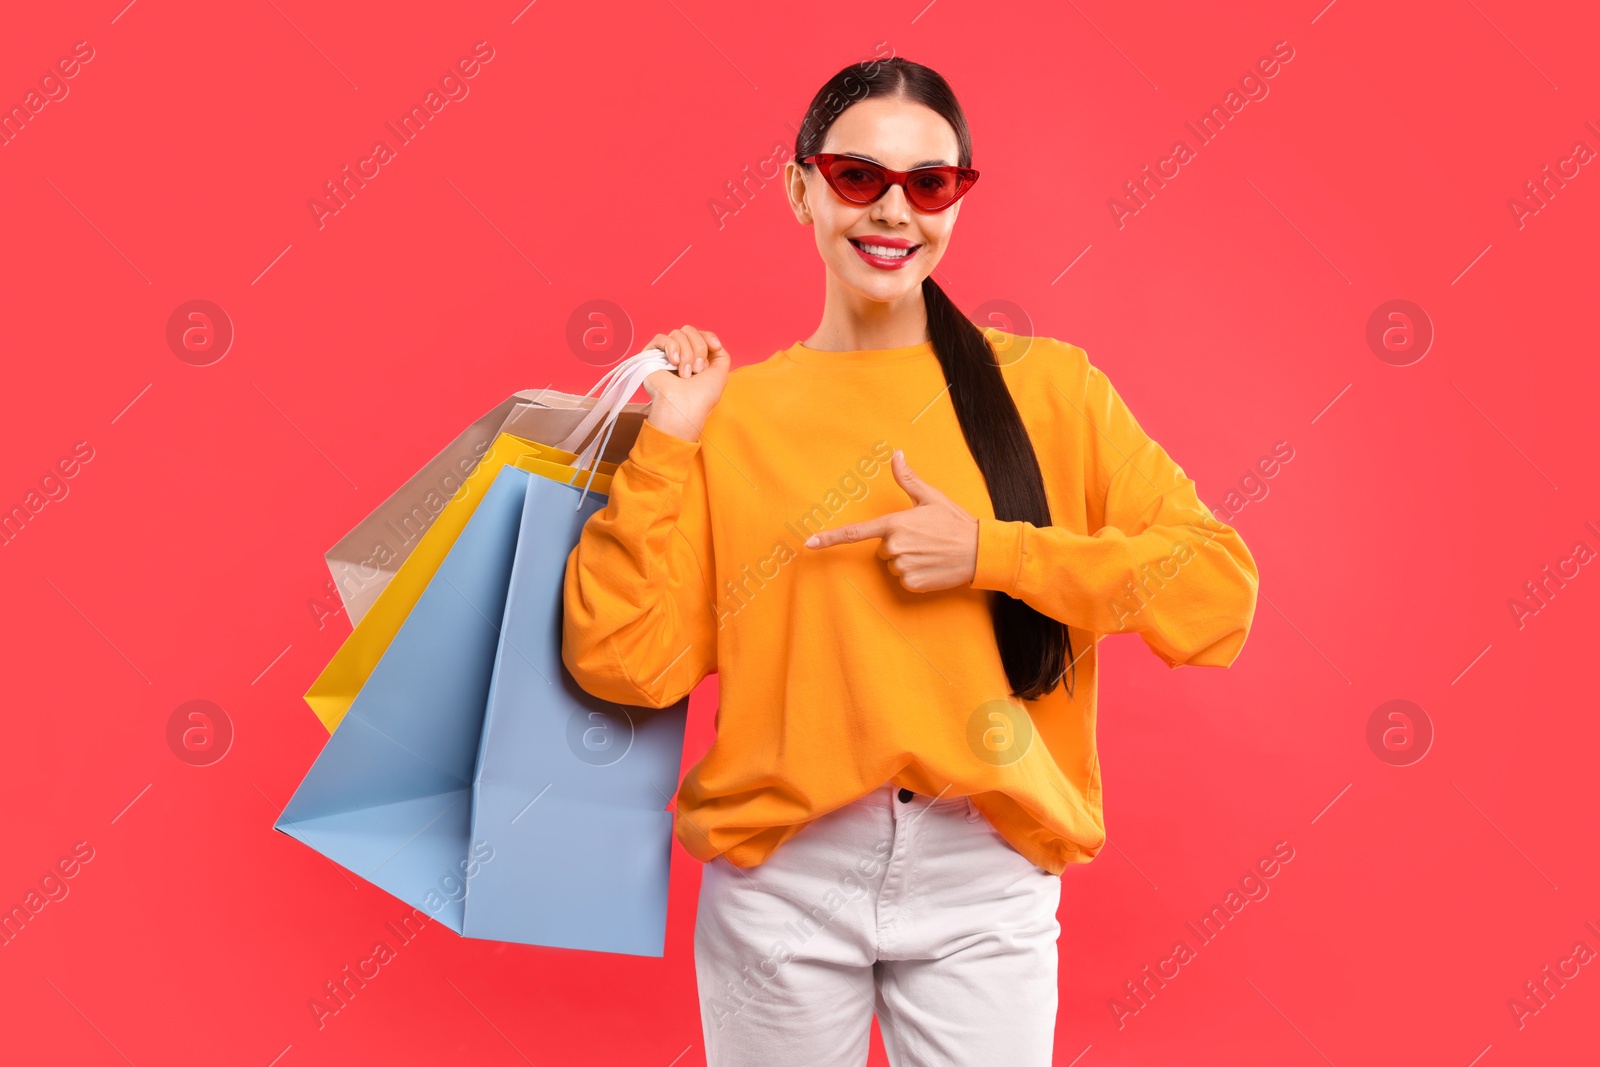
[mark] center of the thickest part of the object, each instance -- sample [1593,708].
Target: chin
[883,288]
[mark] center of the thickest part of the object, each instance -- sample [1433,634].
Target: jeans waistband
[889,794]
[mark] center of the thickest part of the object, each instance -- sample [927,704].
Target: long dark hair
[1036,649]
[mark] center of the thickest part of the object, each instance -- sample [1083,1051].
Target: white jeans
[917,910]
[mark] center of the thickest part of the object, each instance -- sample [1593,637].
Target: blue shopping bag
[450,783]
[571,790]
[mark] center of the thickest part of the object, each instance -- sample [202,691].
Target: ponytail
[1036,649]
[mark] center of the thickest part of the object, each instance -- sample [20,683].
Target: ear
[794,183]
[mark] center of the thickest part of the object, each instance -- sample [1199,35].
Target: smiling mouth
[883,256]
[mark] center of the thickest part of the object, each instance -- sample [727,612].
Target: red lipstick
[885,262]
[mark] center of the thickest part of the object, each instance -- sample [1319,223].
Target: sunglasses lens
[934,188]
[857,181]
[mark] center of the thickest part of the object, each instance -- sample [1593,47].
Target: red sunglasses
[861,181]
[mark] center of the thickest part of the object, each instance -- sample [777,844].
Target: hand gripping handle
[616,389]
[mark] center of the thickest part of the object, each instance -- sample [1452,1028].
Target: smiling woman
[1025,501]
[881,222]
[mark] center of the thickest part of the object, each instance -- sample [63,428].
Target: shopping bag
[333,690]
[473,778]
[367,558]
[389,797]
[588,432]
[571,790]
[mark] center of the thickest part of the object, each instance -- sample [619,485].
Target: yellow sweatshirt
[834,678]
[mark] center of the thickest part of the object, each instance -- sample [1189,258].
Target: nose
[892,207]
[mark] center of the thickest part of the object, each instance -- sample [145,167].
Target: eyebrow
[881,163]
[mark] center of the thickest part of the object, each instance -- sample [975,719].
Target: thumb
[715,351]
[918,490]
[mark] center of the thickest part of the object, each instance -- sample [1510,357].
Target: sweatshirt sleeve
[639,623]
[1158,563]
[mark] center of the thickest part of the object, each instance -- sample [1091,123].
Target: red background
[1230,311]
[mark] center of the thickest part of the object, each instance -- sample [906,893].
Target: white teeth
[884,250]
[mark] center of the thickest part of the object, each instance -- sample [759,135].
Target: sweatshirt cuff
[999,555]
[663,454]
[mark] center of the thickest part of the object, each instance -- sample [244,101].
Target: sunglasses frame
[966,178]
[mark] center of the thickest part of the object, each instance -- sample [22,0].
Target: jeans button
[906,795]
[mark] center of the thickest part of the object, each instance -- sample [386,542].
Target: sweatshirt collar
[861,358]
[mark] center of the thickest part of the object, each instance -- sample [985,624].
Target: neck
[853,323]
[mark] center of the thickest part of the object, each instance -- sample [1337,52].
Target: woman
[897,550]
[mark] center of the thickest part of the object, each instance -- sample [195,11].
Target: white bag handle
[614,392]
[616,388]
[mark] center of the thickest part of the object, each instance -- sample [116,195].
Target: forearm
[639,621]
[1188,587]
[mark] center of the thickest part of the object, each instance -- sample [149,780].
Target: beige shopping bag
[367,558]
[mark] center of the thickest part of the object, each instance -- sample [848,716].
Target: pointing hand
[929,546]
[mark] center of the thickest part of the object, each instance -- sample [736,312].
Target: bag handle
[616,389]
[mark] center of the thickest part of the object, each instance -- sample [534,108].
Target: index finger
[855,531]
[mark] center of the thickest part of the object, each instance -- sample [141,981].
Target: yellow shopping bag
[336,687]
